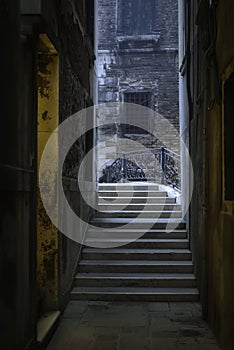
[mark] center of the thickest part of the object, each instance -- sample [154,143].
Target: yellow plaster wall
[47,234]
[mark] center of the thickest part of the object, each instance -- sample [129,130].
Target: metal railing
[156,164]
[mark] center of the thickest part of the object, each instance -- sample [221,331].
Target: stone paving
[132,326]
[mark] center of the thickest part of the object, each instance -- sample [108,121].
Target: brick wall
[139,63]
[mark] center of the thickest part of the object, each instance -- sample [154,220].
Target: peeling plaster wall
[47,234]
[66,27]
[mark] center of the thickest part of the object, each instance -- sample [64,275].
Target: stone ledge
[150,37]
[46,326]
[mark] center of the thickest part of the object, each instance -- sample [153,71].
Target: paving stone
[182,316]
[163,344]
[160,323]
[186,340]
[190,323]
[118,307]
[191,332]
[137,307]
[191,346]
[114,319]
[104,342]
[99,305]
[160,314]
[132,326]
[158,306]
[167,334]
[63,335]
[106,332]
[206,340]
[135,319]
[75,310]
[98,319]
[82,338]
[175,306]
[135,331]
[130,341]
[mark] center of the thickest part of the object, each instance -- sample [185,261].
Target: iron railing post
[123,168]
[162,160]
[108,174]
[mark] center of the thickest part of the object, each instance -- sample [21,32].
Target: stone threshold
[46,326]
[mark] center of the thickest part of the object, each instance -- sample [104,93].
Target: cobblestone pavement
[132,326]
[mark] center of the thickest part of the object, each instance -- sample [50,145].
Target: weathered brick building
[138,63]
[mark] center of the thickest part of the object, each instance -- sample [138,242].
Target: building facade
[46,78]
[206,94]
[137,63]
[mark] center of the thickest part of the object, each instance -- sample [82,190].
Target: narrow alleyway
[94,325]
[66,58]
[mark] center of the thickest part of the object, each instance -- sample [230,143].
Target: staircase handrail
[134,166]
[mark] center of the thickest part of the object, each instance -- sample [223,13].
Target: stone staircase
[157,266]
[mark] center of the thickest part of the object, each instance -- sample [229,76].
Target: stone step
[127,293]
[136,200]
[151,234]
[137,244]
[128,186]
[130,194]
[135,280]
[138,207]
[131,266]
[148,256]
[139,223]
[135,213]
[136,254]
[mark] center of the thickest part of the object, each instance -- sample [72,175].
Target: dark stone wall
[65,24]
[168,19]
[107,24]
[17,183]
[211,215]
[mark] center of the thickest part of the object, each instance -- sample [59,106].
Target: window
[142,118]
[136,17]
